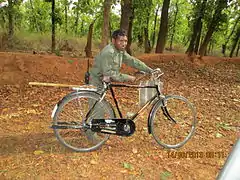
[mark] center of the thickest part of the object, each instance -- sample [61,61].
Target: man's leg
[97,113]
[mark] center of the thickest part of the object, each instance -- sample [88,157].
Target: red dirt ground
[29,149]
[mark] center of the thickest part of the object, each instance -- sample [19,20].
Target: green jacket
[109,61]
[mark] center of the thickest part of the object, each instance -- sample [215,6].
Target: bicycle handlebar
[155,74]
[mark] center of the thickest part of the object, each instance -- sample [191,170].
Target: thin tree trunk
[53,26]
[197,44]
[196,30]
[82,28]
[128,48]
[238,49]
[233,29]
[110,31]
[154,26]
[146,39]
[34,16]
[235,41]
[127,20]
[174,27]
[88,47]
[66,16]
[140,40]
[126,14]
[162,35]
[214,23]
[77,18]
[10,24]
[224,46]
[106,19]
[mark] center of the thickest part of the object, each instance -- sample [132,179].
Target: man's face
[120,43]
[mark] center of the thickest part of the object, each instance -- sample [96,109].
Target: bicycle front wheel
[173,121]
[71,111]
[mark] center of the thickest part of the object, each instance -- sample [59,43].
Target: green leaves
[165,175]
[127,166]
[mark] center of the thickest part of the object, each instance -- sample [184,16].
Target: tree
[77,16]
[174,25]
[66,8]
[53,27]
[126,21]
[10,23]
[106,19]
[197,27]
[224,46]
[88,47]
[235,42]
[162,35]
[154,26]
[217,18]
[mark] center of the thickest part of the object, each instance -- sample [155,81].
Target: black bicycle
[83,120]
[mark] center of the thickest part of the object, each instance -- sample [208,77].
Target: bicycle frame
[109,86]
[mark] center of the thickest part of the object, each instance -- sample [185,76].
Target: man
[107,65]
[108,62]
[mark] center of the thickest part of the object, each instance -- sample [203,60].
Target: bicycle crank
[120,127]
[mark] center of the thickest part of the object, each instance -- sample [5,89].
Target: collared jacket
[108,63]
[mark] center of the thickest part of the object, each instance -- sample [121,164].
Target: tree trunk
[106,19]
[34,17]
[154,27]
[66,15]
[126,13]
[127,20]
[235,41]
[238,49]
[195,39]
[140,40]
[10,24]
[53,26]
[88,47]
[174,26]
[77,18]
[128,48]
[146,39]
[214,23]
[224,46]
[162,35]
[197,44]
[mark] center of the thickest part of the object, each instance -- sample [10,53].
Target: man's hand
[131,78]
[106,79]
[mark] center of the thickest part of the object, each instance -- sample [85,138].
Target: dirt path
[29,149]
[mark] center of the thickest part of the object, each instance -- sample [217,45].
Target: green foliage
[33,18]
[165,175]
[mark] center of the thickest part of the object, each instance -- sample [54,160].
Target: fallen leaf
[219,135]
[38,152]
[93,162]
[134,150]
[127,165]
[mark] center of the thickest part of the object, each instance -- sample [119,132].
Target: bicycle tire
[68,109]
[164,129]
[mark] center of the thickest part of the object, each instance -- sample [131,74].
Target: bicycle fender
[71,94]
[150,115]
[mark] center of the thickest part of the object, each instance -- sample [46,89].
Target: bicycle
[79,125]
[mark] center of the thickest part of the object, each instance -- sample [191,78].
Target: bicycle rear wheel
[71,111]
[173,121]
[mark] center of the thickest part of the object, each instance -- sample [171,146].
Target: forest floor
[29,149]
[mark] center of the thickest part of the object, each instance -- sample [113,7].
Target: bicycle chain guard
[120,127]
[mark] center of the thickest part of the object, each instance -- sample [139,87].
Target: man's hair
[119,32]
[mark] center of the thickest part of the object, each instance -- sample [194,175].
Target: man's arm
[135,63]
[107,69]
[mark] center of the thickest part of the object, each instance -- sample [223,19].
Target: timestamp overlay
[196,154]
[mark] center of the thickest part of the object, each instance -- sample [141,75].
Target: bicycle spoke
[173,124]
